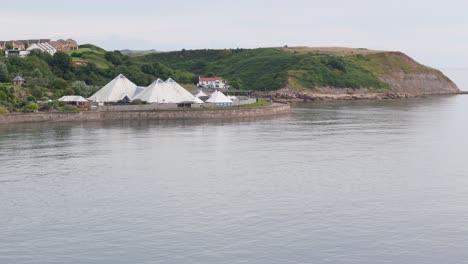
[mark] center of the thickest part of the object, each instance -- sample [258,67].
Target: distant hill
[137,52]
[300,68]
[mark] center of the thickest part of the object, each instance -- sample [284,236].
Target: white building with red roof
[211,82]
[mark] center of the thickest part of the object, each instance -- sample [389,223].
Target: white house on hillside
[16,53]
[211,82]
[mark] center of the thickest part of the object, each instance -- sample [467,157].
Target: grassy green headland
[263,69]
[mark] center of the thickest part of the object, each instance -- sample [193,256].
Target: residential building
[211,82]
[44,47]
[16,53]
[15,45]
[64,45]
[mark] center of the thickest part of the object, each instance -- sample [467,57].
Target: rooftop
[210,79]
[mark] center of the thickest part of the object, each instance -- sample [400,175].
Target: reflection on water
[334,182]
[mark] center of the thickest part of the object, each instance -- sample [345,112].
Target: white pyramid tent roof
[73,98]
[218,97]
[198,101]
[117,89]
[138,90]
[200,94]
[165,92]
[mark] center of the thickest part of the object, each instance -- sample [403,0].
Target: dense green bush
[4,75]
[31,107]
[59,84]
[116,57]
[76,55]
[3,110]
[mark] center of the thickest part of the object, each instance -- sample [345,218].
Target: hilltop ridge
[312,70]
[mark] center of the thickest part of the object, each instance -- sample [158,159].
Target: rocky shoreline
[288,95]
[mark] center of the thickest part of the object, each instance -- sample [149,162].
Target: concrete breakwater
[176,114]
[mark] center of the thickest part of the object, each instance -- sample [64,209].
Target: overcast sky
[433,32]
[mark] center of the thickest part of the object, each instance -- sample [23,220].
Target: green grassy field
[272,68]
[92,54]
[259,103]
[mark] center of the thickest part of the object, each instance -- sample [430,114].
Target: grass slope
[273,68]
[91,53]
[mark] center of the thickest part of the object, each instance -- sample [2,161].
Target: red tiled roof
[210,79]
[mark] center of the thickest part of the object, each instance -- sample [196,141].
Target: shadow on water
[64,128]
[359,182]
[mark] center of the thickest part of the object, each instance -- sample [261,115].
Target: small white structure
[166,93]
[211,82]
[198,101]
[234,99]
[16,53]
[120,88]
[201,94]
[73,99]
[219,99]
[44,47]
[18,81]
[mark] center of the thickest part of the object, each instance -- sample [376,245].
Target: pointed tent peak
[158,81]
[170,80]
[219,97]
[168,92]
[123,79]
[115,90]
[200,94]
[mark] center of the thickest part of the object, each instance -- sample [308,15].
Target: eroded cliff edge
[403,77]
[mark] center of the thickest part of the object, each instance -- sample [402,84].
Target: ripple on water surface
[354,182]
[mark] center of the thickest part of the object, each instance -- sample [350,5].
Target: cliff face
[415,79]
[403,76]
[420,83]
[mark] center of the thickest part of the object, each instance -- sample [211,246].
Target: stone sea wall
[179,114]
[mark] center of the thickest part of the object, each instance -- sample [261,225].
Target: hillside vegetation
[263,69]
[296,68]
[51,77]
[93,54]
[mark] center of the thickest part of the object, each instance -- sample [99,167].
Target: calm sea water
[352,182]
